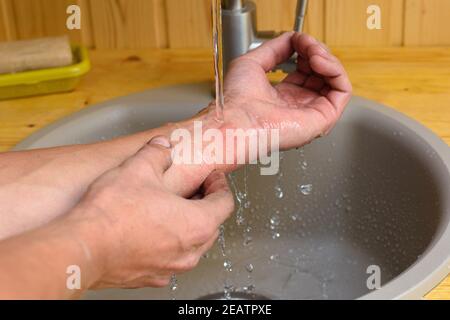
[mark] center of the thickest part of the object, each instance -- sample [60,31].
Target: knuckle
[191,262]
[187,264]
[229,204]
[142,166]
[203,232]
[161,283]
[201,228]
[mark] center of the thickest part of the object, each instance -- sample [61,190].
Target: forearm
[37,186]
[39,264]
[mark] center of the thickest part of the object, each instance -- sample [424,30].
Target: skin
[122,234]
[122,212]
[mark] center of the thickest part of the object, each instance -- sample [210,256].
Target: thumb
[156,154]
[218,201]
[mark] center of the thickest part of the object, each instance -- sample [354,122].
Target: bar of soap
[25,55]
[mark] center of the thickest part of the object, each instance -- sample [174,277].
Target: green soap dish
[46,81]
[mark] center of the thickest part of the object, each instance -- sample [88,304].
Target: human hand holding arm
[129,230]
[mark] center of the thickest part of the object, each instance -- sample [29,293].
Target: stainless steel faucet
[240,33]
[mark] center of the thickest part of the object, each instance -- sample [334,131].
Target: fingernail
[160,141]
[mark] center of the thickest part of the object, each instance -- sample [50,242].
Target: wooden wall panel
[86,34]
[315,19]
[40,18]
[427,22]
[7,21]
[189,23]
[346,23]
[279,16]
[29,18]
[25,19]
[128,24]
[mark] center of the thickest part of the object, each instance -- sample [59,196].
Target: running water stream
[241,193]
[218,57]
[216,8]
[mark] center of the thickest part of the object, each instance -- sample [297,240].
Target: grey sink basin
[379,198]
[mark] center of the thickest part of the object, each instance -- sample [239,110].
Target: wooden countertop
[415,81]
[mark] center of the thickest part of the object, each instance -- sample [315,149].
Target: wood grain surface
[186,23]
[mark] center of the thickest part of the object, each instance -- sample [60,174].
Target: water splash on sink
[306,189]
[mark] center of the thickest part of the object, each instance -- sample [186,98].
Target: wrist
[92,244]
[200,132]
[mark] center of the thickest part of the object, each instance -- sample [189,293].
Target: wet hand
[141,230]
[305,105]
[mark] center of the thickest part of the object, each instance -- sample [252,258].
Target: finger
[301,42]
[307,47]
[156,154]
[296,78]
[185,180]
[218,202]
[321,61]
[337,87]
[317,49]
[338,84]
[304,67]
[191,260]
[314,83]
[208,245]
[157,280]
[273,52]
[333,71]
[215,182]
[197,196]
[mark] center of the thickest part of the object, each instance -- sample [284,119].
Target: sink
[376,203]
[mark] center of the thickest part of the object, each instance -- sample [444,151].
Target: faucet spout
[240,33]
[232,4]
[302,6]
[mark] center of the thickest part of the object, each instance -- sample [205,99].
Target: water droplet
[247,241]
[249,288]
[306,189]
[275,235]
[274,257]
[279,192]
[249,267]
[221,240]
[228,266]
[240,220]
[304,165]
[173,285]
[275,220]
[227,289]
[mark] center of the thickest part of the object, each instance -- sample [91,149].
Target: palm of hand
[306,104]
